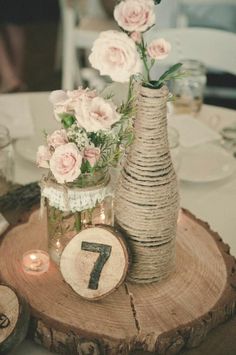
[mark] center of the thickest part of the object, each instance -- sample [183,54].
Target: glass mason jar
[188,91]
[93,193]
[6,160]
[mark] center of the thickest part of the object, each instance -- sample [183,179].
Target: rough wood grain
[162,318]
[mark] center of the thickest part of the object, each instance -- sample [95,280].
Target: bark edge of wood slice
[162,317]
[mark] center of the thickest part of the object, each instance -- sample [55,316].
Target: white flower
[57,96]
[115,54]
[65,102]
[57,138]
[135,15]
[78,136]
[80,92]
[96,114]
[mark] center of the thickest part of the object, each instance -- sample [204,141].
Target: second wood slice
[95,262]
[14,319]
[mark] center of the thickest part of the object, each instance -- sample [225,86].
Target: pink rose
[96,114]
[136,37]
[65,163]
[43,156]
[65,102]
[57,138]
[135,15]
[159,49]
[92,155]
[114,54]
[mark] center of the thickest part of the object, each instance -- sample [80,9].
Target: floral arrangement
[93,135]
[122,55]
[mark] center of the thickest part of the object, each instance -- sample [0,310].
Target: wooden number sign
[95,262]
[14,319]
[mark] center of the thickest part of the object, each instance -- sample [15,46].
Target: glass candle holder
[64,225]
[189,90]
[35,262]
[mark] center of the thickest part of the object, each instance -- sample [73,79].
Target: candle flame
[33,257]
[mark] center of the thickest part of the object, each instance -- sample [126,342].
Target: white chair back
[215,48]
[79,33]
[207,13]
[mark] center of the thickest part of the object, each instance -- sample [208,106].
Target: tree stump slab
[160,317]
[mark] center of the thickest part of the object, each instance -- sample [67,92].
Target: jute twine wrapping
[147,198]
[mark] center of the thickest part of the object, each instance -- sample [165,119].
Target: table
[212,202]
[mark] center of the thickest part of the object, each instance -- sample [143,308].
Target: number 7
[105,252]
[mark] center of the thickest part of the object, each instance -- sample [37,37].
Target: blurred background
[43,30]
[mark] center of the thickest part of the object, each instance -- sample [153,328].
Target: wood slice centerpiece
[160,317]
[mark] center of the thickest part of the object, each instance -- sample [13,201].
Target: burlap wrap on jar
[147,198]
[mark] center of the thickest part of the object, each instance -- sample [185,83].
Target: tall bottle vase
[147,197]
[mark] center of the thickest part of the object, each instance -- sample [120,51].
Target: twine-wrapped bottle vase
[147,199]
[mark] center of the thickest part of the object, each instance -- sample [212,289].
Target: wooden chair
[79,32]
[214,48]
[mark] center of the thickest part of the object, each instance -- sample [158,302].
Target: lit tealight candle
[35,262]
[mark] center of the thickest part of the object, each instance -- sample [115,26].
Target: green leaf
[170,71]
[67,120]
[85,167]
[168,75]
[153,84]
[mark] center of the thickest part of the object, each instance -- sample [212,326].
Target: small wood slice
[14,319]
[95,262]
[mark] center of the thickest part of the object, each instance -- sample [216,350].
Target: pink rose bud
[159,49]
[43,156]
[136,37]
[92,155]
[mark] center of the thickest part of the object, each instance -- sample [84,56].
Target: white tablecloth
[212,202]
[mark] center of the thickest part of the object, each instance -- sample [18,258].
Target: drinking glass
[188,91]
[6,160]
